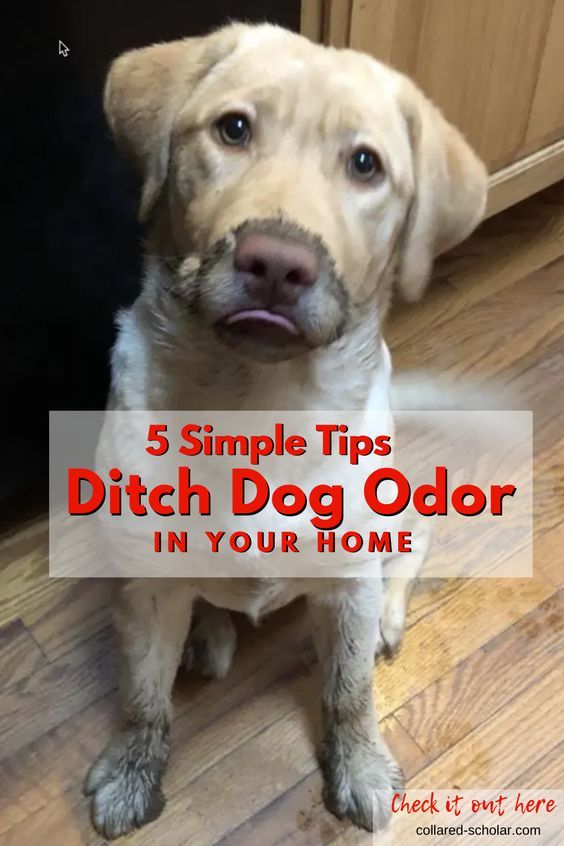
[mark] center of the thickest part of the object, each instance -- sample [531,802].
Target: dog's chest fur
[170,366]
[254,597]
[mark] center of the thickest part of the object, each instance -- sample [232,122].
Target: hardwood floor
[474,697]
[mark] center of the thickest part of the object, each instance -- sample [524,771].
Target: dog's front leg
[152,619]
[359,771]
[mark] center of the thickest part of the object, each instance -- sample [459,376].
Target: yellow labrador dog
[287,189]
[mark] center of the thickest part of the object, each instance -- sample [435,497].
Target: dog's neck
[182,365]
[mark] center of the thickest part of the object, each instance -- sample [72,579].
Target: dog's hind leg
[152,619]
[400,572]
[212,641]
[394,614]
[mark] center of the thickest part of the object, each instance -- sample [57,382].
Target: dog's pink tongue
[261,316]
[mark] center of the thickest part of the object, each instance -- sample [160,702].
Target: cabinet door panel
[491,65]
[546,118]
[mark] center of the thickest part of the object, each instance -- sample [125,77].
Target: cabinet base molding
[525,177]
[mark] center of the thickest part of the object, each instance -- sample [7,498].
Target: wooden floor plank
[59,822]
[428,595]
[20,656]
[76,611]
[514,739]
[50,770]
[299,814]
[283,754]
[24,535]
[56,692]
[488,679]
[482,317]
[545,774]
[444,639]
[549,558]
[353,837]
[24,583]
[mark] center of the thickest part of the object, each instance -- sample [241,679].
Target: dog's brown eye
[364,165]
[234,129]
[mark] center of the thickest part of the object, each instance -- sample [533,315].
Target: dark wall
[72,244]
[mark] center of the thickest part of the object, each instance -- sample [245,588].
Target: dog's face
[288,179]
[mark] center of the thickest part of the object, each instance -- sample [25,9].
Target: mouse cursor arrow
[63,49]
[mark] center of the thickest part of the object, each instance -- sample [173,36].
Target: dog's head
[286,179]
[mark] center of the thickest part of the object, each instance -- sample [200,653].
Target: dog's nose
[269,262]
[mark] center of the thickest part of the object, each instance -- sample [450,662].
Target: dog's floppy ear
[145,90]
[449,193]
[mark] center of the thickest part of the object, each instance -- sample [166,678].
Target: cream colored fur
[310,107]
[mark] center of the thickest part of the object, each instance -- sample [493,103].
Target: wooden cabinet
[495,67]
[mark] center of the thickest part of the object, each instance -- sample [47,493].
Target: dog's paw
[211,643]
[360,779]
[125,783]
[392,625]
[393,616]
